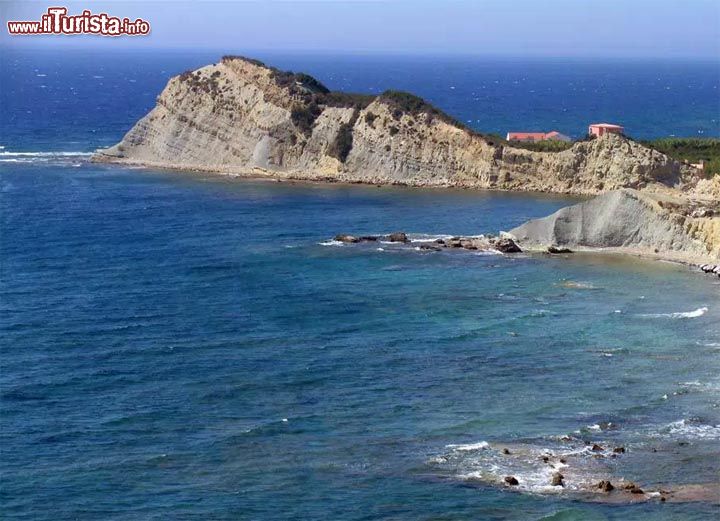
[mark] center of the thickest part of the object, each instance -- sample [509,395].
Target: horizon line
[354,52]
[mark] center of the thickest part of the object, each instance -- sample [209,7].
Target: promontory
[241,117]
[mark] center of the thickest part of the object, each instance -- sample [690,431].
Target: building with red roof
[598,129]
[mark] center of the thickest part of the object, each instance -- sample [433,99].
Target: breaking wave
[686,314]
[694,429]
[42,157]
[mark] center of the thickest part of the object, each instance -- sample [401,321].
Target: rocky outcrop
[661,224]
[489,243]
[572,468]
[241,117]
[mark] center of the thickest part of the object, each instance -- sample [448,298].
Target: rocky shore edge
[501,244]
[241,117]
[505,243]
[584,470]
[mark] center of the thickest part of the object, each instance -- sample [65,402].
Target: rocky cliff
[242,117]
[667,224]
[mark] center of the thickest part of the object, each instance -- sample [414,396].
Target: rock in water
[505,245]
[557,480]
[555,250]
[632,488]
[346,238]
[398,237]
[605,486]
[511,480]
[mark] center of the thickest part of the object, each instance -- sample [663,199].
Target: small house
[598,129]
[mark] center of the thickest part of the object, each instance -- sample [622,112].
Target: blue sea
[184,346]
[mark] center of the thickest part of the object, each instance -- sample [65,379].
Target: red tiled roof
[526,135]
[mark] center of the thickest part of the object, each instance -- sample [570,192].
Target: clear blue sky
[584,28]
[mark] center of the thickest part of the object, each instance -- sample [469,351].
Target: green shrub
[692,150]
[370,119]
[304,116]
[231,57]
[342,144]
[347,100]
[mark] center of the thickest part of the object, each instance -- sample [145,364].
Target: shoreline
[99,157]
[259,174]
[678,259]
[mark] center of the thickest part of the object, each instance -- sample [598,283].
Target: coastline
[676,257]
[347,179]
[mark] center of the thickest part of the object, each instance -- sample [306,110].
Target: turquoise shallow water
[185,347]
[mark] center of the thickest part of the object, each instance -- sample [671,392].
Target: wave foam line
[6,153]
[687,314]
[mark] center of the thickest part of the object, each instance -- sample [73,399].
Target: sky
[530,28]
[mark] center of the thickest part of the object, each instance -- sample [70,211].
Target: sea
[188,346]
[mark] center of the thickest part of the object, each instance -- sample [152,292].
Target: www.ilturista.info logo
[57,21]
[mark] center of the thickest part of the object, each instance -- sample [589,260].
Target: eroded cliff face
[241,117]
[666,224]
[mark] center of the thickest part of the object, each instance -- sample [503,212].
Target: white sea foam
[527,463]
[428,238]
[41,157]
[572,284]
[467,447]
[692,429]
[45,154]
[686,314]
